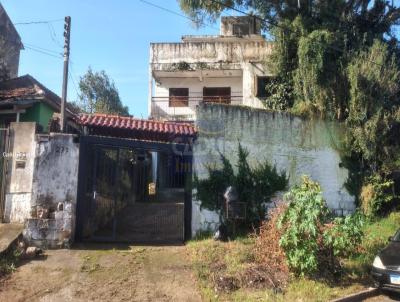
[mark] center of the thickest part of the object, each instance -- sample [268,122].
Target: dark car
[386,266]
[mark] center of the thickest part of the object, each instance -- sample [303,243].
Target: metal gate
[133,191]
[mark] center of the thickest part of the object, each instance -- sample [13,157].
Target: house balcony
[184,108]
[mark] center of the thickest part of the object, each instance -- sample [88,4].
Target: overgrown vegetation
[312,239]
[255,268]
[337,60]
[255,187]
[376,234]
[8,262]
[231,271]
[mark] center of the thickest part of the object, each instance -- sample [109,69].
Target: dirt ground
[103,273]
[385,297]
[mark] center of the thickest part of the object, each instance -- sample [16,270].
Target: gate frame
[85,141]
[4,171]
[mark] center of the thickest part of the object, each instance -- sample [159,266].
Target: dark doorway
[134,192]
[217,94]
[178,97]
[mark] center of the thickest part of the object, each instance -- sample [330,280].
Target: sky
[107,35]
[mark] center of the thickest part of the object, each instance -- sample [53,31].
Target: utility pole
[67,32]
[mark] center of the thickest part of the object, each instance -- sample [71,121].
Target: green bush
[312,238]
[345,234]
[255,187]
[302,226]
[377,195]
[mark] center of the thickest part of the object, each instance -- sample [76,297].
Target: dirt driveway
[99,273]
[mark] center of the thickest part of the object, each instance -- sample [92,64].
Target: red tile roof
[136,128]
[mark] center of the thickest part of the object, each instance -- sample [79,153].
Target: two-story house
[228,68]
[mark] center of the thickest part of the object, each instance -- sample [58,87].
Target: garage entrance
[133,191]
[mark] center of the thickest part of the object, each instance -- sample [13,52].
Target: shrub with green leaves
[255,186]
[377,195]
[302,226]
[312,238]
[345,234]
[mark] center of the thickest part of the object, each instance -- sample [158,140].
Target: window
[178,97]
[261,87]
[241,29]
[217,94]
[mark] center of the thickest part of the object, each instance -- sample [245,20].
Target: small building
[24,99]
[228,68]
[10,46]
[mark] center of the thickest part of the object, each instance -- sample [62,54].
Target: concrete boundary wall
[42,187]
[298,146]
[20,166]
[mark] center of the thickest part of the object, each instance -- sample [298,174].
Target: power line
[38,22]
[53,35]
[174,12]
[43,52]
[44,49]
[73,83]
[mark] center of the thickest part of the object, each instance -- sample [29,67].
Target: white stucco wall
[55,185]
[298,146]
[19,183]
[42,194]
[250,73]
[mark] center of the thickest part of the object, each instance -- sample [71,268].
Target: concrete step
[9,234]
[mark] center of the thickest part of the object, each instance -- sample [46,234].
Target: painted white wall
[19,187]
[203,219]
[298,146]
[250,73]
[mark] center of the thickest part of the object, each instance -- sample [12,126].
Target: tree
[338,60]
[321,36]
[98,94]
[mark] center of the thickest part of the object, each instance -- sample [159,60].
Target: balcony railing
[184,108]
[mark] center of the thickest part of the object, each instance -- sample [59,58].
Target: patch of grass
[376,234]
[90,264]
[8,262]
[303,289]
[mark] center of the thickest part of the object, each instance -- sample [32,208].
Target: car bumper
[382,278]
